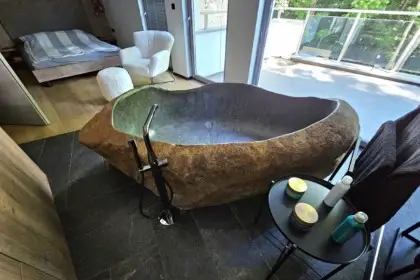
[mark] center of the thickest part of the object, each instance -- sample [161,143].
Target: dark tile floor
[109,239]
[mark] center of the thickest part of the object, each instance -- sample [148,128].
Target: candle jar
[296,187]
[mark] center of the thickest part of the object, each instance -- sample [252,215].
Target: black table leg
[290,248]
[406,233]
[405,269]
[337,269]
[260,209]
[263,201]
[401,271]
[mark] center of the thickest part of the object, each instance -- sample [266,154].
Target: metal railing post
[349,37]
[308,14]
[206,21]
[355,11]
[400,45]
[407,51]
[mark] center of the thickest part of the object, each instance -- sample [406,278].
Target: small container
[304,216]
[338,191]
[296,187]
[349,227]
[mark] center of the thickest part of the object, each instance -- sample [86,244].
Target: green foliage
[300,3]
[402,5]
[369,4]
[395,5]
[383,35]
[322,33]
[295,4]
[344,4]
[376,35]
[281,4]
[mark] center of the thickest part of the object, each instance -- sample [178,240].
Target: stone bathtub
[224,141]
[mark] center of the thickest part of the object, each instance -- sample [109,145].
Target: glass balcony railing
[387,40]
[211,20]
[412,64]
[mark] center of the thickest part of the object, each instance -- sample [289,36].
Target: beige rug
[165,77]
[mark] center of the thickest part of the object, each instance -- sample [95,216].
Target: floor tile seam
[207,250]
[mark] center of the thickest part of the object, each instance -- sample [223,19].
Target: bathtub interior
[217,113]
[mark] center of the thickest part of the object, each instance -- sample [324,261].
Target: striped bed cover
[50,49]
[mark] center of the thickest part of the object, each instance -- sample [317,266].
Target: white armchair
[150,55]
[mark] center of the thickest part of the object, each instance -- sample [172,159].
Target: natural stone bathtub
[224,141]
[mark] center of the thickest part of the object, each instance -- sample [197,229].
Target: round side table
[317,241]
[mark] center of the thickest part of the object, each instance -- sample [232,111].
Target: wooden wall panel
[30,229]
[14,270]
[30,273]
[9,269]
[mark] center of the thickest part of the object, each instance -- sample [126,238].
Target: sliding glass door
[208,38]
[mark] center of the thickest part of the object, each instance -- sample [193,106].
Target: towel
[372,170]
[387,172]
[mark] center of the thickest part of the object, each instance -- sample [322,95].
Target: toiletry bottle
[338,191]
[349,227]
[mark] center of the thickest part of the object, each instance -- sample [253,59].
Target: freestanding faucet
[155,166]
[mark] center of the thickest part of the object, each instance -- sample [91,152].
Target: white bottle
[338,191]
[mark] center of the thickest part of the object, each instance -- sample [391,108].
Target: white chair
[150,55]
[113,82]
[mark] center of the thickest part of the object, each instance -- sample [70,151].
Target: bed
[61,54]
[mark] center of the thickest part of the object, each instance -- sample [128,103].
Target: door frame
[266,17]
[262,39]
[143,14]
[192,45]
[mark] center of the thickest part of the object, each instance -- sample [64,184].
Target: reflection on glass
[409,59]
[375,42]
[210,18]
[412,64]
[325,36]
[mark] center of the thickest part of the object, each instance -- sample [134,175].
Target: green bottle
[349,227]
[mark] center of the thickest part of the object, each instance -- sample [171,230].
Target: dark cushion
[378,159]
[372,171]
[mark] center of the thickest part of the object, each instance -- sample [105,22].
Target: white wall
[243,30]
[210,52]
[125,18]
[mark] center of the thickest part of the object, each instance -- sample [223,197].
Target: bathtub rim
[337,102]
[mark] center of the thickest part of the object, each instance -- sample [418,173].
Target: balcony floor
[375,100]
